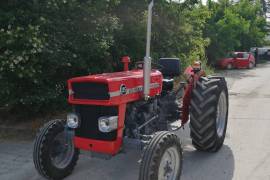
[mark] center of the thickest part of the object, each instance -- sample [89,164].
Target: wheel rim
[62,151]
[229,66]
[221,114]
[169,165]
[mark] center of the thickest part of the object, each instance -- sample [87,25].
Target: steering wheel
[139,65]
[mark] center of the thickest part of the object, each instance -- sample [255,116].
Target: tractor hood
[112,88]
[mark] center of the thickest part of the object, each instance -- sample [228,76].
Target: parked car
[263,52]
[237,60]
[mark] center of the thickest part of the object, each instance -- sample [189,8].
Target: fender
[192,75]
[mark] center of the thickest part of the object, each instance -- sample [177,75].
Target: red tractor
[143,105]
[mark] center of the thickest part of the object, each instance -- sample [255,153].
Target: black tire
[205,134]
[43,147]
[153,153]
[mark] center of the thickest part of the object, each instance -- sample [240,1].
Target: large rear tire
[209,113]
[162,158]
[54,154]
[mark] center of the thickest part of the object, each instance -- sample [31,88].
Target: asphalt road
[244,156]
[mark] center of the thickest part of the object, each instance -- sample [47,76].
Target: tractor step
[174,126]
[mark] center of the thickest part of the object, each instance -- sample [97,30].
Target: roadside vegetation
[44,43]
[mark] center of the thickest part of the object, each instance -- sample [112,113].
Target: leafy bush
[43,43]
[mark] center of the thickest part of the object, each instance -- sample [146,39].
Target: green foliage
[44,43]
[234,27]
[178,32]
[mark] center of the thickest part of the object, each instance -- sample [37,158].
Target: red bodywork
[133,80]
[192,78]
[241,60]
[223,63]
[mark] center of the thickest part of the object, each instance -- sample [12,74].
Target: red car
[237,60]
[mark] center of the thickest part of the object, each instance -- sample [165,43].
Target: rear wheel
[209,113]
[162,158]
[250,65]
[54,154]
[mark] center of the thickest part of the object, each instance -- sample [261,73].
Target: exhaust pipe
[147,59]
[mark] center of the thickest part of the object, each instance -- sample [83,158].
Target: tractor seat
[171,67]
[167,84]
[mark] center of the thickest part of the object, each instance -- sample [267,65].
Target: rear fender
[188,73]
[192,78]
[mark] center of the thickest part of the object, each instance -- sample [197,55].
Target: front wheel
[54,154]
[162,158]
[250,65]
[209,113]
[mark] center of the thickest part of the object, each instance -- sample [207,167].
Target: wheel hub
[221,114]
[169,164]
[168,169]
[62,151]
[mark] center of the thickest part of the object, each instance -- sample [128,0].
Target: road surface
[244,156]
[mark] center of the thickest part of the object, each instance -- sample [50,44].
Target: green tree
[43,43]
[234,27]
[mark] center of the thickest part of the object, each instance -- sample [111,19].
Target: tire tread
[203,111]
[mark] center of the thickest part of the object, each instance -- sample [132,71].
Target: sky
[204,1]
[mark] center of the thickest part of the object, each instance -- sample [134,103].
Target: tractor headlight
[107,123]
[73,120]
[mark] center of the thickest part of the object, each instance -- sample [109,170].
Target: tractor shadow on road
[124,166]
[206,166]
[196,165]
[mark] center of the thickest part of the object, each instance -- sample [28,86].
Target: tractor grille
[89,122]
[90,90]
